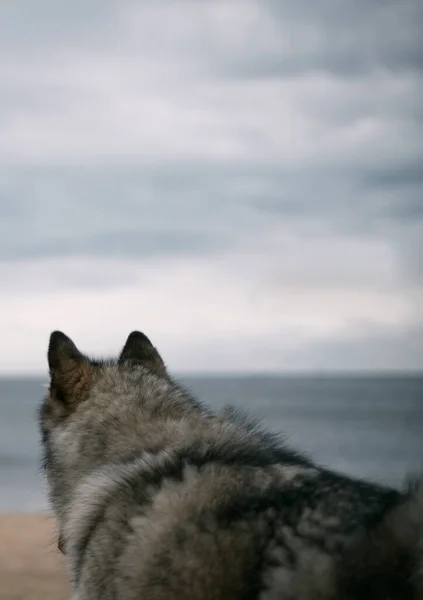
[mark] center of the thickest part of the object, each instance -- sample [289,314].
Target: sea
[366,426]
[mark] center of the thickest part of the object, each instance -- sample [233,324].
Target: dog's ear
[138,349]
[71,372]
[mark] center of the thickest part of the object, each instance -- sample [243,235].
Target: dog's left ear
[139,349]
[71,372]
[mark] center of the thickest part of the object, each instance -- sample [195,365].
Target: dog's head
[74,377]
[101,411]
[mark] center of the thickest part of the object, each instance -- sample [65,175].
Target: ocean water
[363,426]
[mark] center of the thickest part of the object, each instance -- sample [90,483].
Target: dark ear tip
[139,349]
[136,346]
[58,336]
[137,336]
[57,340]
[60,346]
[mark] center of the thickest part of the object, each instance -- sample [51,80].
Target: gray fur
[159,498]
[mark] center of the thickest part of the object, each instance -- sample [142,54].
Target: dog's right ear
[71,372]
[139,349]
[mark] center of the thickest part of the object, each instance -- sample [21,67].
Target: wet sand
[31,567]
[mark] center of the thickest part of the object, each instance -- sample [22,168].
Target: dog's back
[387,560]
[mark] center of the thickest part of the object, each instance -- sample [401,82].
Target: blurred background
[242,180]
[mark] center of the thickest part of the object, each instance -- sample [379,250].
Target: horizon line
[245,374]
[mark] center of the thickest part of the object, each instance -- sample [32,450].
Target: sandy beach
[31,567]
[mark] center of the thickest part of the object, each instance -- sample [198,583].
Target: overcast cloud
[241,180]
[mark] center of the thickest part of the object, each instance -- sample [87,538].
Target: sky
[241,180]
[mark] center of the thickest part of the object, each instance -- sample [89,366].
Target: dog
[157,497]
